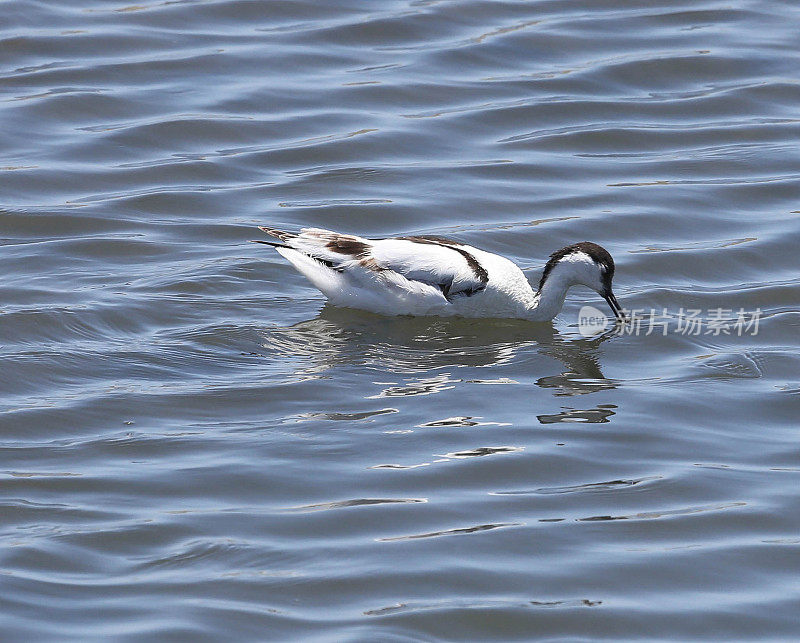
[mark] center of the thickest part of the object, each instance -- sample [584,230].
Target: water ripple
[195,447]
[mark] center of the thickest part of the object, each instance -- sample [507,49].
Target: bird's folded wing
[445,265]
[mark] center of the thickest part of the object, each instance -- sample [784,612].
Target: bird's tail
[279,234]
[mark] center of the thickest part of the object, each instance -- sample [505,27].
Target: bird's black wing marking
[477,269]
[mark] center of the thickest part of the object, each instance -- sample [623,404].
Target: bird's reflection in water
[402,345]
[340,337]
[583,374]
[597,415]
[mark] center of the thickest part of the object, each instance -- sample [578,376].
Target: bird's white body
[507,293]
[430,275]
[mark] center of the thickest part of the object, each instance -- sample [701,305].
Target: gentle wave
[195,446]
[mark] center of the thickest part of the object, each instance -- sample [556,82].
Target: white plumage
[437,276]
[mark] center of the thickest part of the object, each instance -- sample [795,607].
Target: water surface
[194,447]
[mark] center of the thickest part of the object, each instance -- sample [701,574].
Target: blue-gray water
[193,447]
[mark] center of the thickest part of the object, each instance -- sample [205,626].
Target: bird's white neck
[572,270]
[547,303]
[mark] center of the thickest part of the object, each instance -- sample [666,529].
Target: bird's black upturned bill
[615,307]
